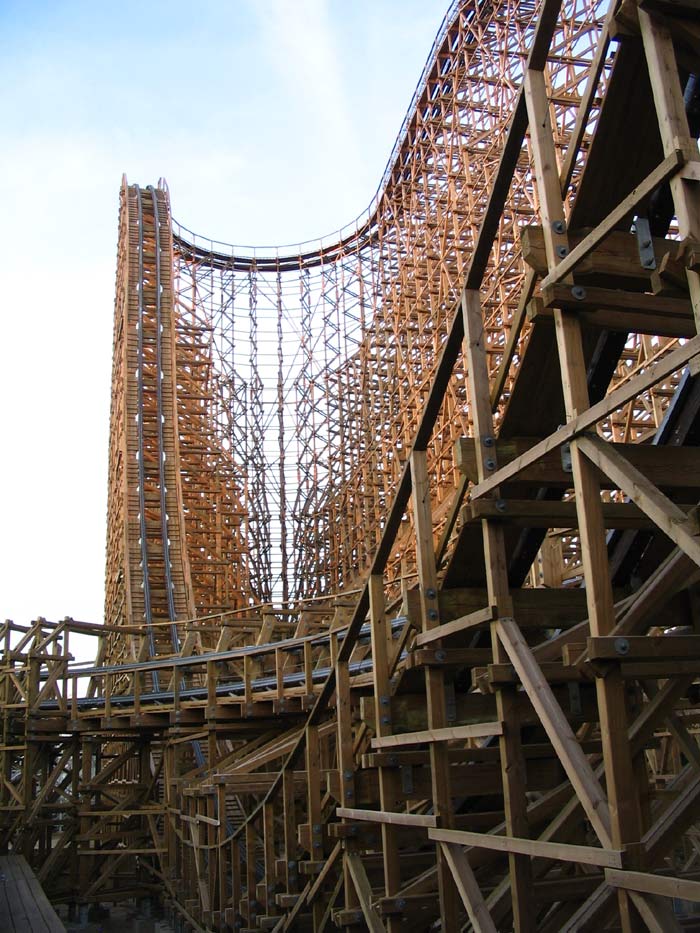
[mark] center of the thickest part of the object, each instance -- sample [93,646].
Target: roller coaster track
[366,668]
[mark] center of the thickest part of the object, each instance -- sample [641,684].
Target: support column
[513,774]
[434,679]
[612,713]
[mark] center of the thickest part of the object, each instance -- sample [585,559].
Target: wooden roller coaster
[402,624]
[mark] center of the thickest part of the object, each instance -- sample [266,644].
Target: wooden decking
[24,907]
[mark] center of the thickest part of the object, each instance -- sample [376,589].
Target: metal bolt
[558,226]
[490,464]
[347,775]
[430,593]
[349,793]
[433,614]
[562,251]
[501,505]
[489,441]
[578,292]
[622,646]
[440,655]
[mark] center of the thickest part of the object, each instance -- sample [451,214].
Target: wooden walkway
[24,907]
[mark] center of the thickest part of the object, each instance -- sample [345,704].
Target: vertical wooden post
[308,672]
[619,773]
[222,849]
[434,678]
[251,880]
[675,133]
[236,876]
[388,777]
[313,771]
[270,864]
[512,761]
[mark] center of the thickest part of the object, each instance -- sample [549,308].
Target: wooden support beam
[588,855]
[680,528]
[434,677]
[646,883]
[446,734]
[513,773]
[468,889]
[590,416]
[364,892]
[624,826]
[558,729]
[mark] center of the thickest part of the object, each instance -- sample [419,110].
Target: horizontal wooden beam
[653,884]
[447,734]
[383,816]
[589,855]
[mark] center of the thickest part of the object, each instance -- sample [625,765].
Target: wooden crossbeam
[589,855]
[668,167]
[671,519]
[364,892]
[647,883]
[446,734]
[558,729]
[634,387]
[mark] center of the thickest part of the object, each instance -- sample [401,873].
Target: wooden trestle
[506,739]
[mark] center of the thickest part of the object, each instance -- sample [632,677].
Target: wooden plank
[50,918]
[559,851]
[382,816]
[647,883]
[446,734]
[471,620]
[23,902]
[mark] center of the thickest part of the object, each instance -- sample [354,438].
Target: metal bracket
[575,707]
[645,243]
[566,464]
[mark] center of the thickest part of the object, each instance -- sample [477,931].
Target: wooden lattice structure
[427,656]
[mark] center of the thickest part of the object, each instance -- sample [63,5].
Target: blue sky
[272,123]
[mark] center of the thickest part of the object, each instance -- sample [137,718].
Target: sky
[272,122]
